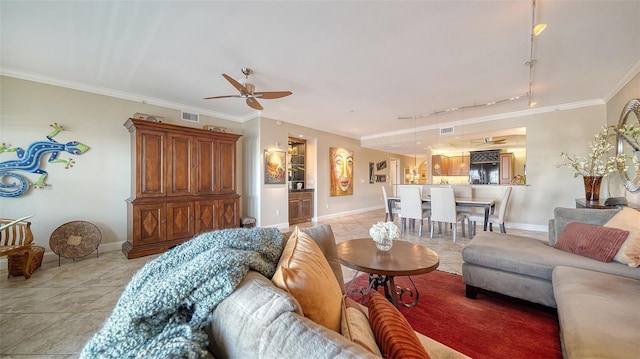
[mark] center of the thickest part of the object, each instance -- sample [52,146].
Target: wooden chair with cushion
[15,239]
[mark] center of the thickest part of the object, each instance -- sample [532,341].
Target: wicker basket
[16,262]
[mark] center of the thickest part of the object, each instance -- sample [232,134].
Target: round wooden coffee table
[404,259]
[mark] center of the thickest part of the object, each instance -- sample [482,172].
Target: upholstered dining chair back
[443,205]
[443,209]
[496,218]
[504,202]
[411,206]
[394,209]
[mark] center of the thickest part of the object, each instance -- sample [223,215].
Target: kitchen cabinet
[506,168]
[439,165]
[300,206]
[450,166]
[183,184]
[458,166]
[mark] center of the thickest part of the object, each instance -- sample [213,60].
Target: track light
[538,29]
[535,31]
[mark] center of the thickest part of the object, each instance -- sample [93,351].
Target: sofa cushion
[355,325]
[598,313]
[294,336]
[246,313]
[627,219]
[530,257]
[564,216]
[597,242]
[304,272]
[394,335]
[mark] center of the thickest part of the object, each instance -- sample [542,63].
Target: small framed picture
[275,167]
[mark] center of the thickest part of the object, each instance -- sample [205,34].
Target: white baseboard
[49,256]
[342,214]
[527,227]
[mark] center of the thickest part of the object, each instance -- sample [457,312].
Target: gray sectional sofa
[598,303]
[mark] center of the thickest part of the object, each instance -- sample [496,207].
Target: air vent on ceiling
[446,130]
[191,117]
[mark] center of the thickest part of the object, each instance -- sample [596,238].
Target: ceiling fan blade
[243,90]
[269,95]
[212,97]
[253,103]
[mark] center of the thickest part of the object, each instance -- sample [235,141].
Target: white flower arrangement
[382,230]
[598,163]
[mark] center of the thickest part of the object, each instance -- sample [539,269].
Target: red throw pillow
[394,335]
[588,240]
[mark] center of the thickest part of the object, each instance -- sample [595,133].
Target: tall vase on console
[592,187]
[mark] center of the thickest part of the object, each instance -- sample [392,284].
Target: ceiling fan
[247,91]
[488,141]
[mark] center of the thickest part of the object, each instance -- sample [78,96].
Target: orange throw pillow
[304,272]
[394,335]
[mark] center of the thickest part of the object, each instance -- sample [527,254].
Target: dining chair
[463,191]
[389,208]
[411,208]
[443,209]
[493,218]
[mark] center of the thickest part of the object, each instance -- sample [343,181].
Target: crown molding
[630,74]
[120,94]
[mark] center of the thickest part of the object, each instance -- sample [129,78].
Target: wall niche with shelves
[296,165]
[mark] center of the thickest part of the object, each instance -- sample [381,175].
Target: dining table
[489,205]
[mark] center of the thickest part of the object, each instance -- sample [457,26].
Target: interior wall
[365,196]
[96,187]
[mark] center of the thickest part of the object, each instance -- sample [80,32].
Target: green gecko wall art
[29,161]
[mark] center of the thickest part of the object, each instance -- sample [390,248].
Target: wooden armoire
[183,184]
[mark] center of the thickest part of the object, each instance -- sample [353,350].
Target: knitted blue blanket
[163,310]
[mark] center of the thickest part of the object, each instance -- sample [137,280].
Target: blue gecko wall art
[29,161]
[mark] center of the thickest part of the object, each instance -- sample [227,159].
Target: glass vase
[592,187]
[384,244]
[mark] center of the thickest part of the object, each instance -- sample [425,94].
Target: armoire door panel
[180,220]
[149,161]
[206,168]
[206,216]
[228,213]
[181,164]
[149,223]
[227,172]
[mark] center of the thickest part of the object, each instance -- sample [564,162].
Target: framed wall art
[371,178]
[275,167]
[381,165]
[341,162]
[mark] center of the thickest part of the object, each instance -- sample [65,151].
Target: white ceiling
[354,67]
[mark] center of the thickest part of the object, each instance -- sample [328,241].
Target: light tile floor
[54,313]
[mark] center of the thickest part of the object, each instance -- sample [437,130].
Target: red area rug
[487,327]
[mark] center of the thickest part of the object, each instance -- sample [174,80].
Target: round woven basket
[75,239]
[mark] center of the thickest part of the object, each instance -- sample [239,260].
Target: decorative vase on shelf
[592,187]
